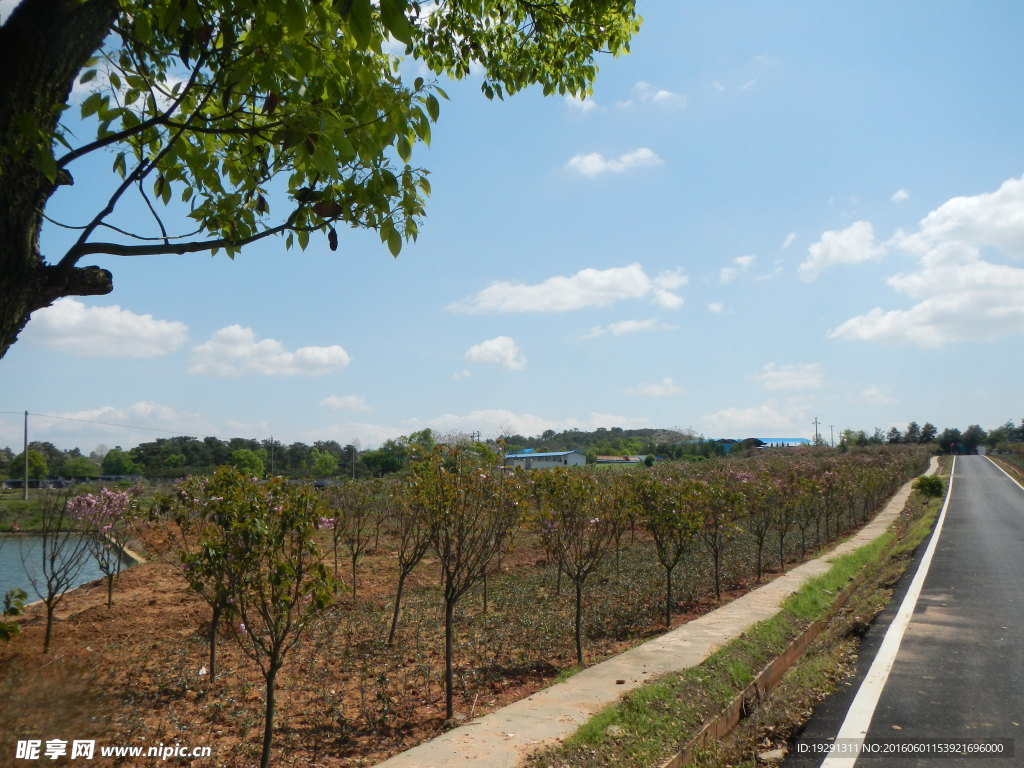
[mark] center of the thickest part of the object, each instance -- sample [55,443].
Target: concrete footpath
[503,739]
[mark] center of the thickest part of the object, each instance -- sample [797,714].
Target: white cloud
[72,327]
[465,373]
[853,245]
[367,436]
[795,376]
[900,195]
[501,351]
[667,299]
[671,279]
[584,105]
[875,396]
[663,388]
[717,85]
[491,422]
[108,424]
[790,239]
[959,228]
[645,93]
[961,297]
[346,403]
[992,308]
[629,326]
[716,307]
[594,164]
[768,420]
[743,264]
[236,351]
[587,288]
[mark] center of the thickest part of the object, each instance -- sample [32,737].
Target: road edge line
[858,717]
[1011,477]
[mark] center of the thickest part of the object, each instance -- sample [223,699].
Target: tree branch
[118,249]
[161,119]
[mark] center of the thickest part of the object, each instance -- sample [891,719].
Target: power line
[102,423]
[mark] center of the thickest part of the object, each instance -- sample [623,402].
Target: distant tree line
[949,440]
[174,457]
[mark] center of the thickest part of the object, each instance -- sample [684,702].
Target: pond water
[21,555]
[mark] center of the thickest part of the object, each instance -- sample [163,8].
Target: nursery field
[510,579]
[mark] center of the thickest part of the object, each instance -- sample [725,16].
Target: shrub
[930,486]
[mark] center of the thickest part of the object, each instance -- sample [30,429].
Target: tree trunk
[43,46]
[353,578]
[398,604]
[449,678]
[214,624]
[579,623]
[668,598]
[718,572]
[49,627]
[268,718]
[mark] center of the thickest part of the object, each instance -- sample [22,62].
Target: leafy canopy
[222,104]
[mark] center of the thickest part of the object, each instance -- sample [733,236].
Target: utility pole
[817,437]
[24,487]
[832,435]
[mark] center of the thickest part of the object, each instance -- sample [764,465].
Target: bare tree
[412,529]
[62,551]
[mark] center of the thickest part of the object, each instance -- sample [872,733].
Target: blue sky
[766,213]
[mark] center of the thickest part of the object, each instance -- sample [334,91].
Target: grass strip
[826,662]
[649,725]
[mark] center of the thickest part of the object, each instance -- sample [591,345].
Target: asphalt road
[957,672]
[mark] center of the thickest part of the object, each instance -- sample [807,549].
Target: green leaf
[394,242]
[433,107]
[392,13]
[360,22]
[404,149]
[295,18]
[91,105]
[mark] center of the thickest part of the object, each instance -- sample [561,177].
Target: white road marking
[858,718]
[1012,479]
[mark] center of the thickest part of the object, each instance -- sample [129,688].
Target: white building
[534,460]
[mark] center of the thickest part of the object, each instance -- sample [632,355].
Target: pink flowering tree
[108,519]
[205,515]
[353,508]
[667,507]
[580,523]
[62,551]
[722,507]
[472,507]
[260,544]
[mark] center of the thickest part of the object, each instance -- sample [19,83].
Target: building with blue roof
[536,460]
